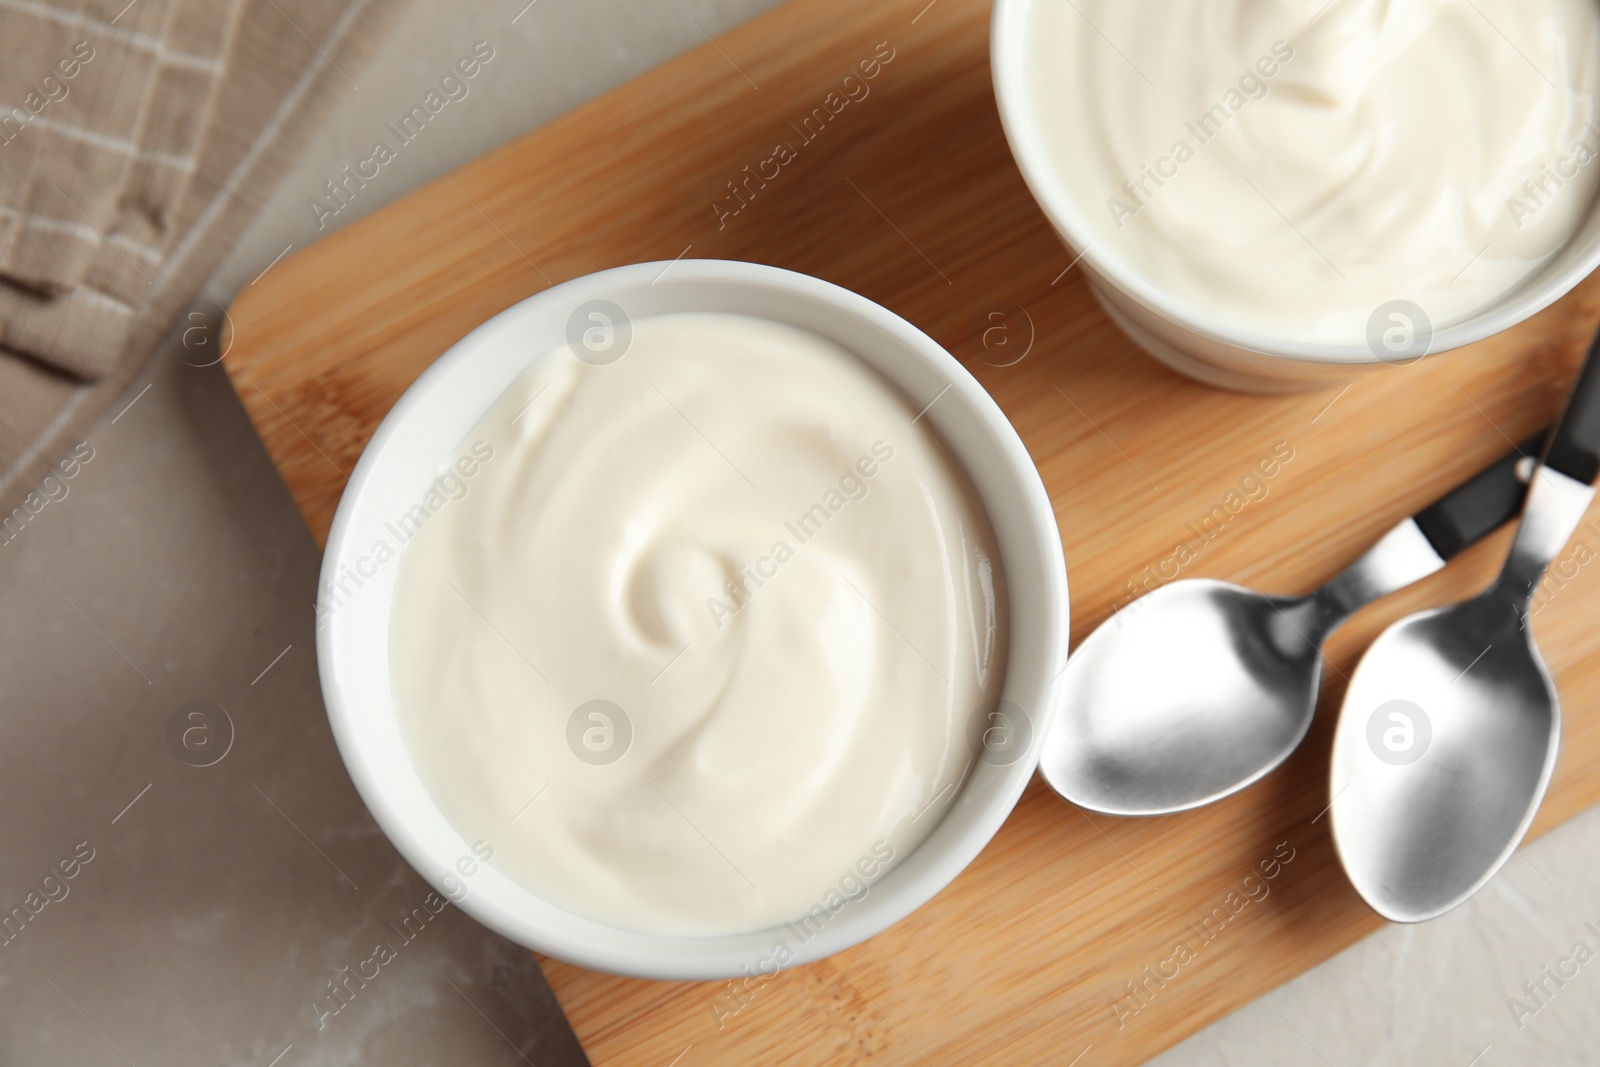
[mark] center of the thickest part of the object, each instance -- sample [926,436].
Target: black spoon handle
[1575,449]
[1484,503]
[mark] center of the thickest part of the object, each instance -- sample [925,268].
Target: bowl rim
[652,956]
[1008,33]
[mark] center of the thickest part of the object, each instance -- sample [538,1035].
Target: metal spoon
[1450,727]
[1201,687]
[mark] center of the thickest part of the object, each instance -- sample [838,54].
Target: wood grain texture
[910,197]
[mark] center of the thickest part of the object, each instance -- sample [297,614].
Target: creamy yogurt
[1291,166]
[705,640]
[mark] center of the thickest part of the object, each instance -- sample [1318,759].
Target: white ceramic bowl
[439,410]
[1185,337]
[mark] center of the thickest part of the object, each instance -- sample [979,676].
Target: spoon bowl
[1153,692]
[1442,756]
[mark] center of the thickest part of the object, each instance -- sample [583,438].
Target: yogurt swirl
[709,630]
[1293,165]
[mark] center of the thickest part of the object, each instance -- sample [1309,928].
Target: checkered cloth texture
[136,141]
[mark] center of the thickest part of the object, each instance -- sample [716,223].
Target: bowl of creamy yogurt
[692,620]
[1275,194]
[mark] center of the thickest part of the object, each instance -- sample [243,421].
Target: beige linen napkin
[136,140]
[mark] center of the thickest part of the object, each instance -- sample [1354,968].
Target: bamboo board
[909,196]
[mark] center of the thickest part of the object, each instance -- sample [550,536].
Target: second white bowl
[1186,338]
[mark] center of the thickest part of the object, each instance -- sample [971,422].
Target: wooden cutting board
[909,196]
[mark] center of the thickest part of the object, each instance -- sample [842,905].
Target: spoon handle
[1575,449]
[1423,544]
[1478,507]
[1562,487]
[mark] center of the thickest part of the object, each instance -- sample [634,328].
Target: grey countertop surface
[217,902]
